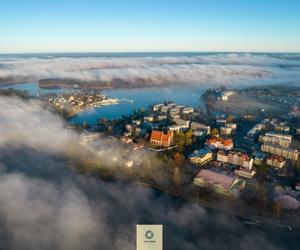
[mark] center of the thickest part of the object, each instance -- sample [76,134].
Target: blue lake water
[141,97]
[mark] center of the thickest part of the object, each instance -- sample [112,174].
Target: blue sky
[149,25]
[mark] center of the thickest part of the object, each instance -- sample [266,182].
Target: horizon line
[148,52]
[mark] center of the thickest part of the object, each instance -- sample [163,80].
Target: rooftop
[216,178]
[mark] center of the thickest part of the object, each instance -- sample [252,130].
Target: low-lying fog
[45,205]
[157,69]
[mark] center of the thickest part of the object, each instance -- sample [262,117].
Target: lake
[141,97]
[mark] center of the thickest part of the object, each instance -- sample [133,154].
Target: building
[219,182]
[171,105]
[282,128]
[297,186]
[137,122]
[200,156]
[181,125]
[222,156]
[182,122]
[157,107]
[224,130]
[174,111]
[219,143]
[245,172]
[164,109]
[259,158]
[177,128]
[149,118]
[276,139]
[224,96]
[160,139]
[287,202]
[288,153]
[231,125]
[200,127]
[221,122]
[198,134]
[236,158]
[187,110]
[180,107]
[162,117]
[276,161]
[255,130]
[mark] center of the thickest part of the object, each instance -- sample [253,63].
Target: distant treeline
[15,92]
[113,84]
[274,90]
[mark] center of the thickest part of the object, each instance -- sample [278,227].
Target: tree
[189,138]
[183,140]
[179,140]
[276,209]
[230,118]
[214,132]
[176,178]
[178,159]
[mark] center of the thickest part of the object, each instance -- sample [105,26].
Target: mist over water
[158,69]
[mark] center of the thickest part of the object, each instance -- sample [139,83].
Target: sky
[149,25]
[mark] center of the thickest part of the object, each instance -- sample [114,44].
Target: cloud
[46,205]
[166,69]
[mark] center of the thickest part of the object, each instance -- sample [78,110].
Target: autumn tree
[214,132]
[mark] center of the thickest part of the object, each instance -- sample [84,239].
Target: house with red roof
[160,139]
[219,143]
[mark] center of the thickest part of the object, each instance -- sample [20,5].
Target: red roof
[277,158]
[160,136]
[227,142]
[156,135]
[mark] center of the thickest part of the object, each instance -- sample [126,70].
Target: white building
[276,161]
[148,119]
[162,117]
[187,110]
[157,107]
[200,156]
[219,143]
[231,125]
[201,127]
[245,172]
[224,130]
[236,158]
[222,156]
[224,96]
[171,105]
[174,111]
[288,153]
[164,109]
[182,122]
[276,139]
